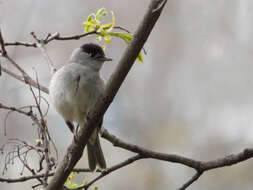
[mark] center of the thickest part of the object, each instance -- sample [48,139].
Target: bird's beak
[104,59]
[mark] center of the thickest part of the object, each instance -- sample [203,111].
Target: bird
[73,91]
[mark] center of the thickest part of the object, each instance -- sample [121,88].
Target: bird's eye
[93,54]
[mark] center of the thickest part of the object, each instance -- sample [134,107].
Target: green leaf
[101,12]
[140,57]
[93,22]
[127,37]
[89,18]
[106,26]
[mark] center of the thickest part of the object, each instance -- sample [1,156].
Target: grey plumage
[75,88]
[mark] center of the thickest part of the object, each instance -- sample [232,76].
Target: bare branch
[44,135]
[3,50]
[27,178]
[75,37]
[20,78]
[228,160]
[151,154]
[22,179]
[47,58]
[199,166]
[84,170]
[112,169]
[21,44]
[188,183]
[26,78]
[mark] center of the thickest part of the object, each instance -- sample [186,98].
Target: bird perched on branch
[75,88]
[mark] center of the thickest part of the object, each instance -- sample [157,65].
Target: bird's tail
[95,155]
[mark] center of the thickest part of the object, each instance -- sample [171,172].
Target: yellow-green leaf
[100,12]
[127,37]
[107,39]
[106,26]
[140,57]
[89,18]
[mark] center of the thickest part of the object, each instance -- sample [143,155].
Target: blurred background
[192,96]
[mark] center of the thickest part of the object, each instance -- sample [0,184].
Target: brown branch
[55,36]
[188,183]
[75,150]
[26,44]
[48,39]
[228,160]
[3,50]
[27,178]
[22,179]
[26,77]
[199,166]
[75,37]
[20,78]
[44,134]
[83,170]
[112,169]
[149,153]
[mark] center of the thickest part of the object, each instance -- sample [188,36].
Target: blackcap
[74,89]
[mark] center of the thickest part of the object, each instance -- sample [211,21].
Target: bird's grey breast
[88,87]
[74,89]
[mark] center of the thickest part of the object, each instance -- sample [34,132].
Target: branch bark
[199,166]
[21,78]
[75,150]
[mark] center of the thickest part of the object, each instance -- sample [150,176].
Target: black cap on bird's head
[91,55]
[95,51]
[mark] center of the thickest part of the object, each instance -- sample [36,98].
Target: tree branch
[22,179]
[3,50]
[27,178]
[25,78]
[149,153]
[31,82]
[199,166]
[57,36]
[188,183]
[75,150]
[112,169]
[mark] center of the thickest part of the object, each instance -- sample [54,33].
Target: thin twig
[194,178]
[112,169]
[199,166]
[26,44]
[3,50]
[75,37]
[43,134]
[149,153]
[20,78]
[22,179]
